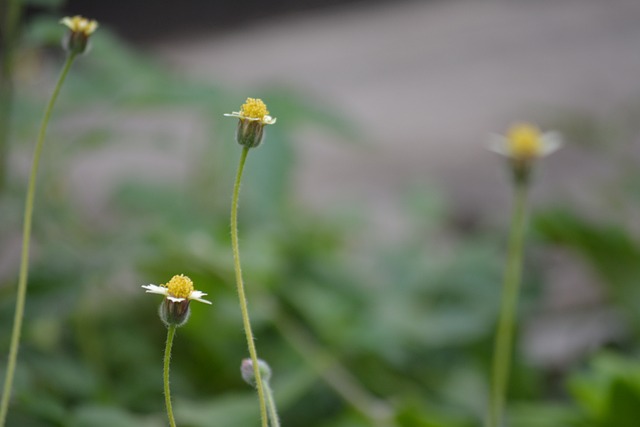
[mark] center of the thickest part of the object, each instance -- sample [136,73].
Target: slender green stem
[243,299]
[271,406]
[171,332]
[26,237]
[506,324]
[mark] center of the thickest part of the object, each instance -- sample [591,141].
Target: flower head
[254,109]
[178,293]
[79,24]
[77,41]
[253,116]
[178,289]
[524,142]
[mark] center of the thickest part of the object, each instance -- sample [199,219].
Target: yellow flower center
[79,24]
[524,141]
[254,108]
[180,286]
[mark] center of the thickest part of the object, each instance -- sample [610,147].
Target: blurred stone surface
[426,82]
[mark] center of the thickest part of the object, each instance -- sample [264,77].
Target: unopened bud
[248,374]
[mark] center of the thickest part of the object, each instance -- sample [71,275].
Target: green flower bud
[248,375]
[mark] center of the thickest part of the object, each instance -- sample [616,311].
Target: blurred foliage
[351,324]
[610,250]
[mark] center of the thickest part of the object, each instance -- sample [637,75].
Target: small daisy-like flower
[179,288]
[77,41]
[254,109]
[524,142]
[79,24]
[178,293]
[253,117]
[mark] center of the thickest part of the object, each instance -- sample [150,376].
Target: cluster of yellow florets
[79,24]
[180,286]
[254,108]
[524,141]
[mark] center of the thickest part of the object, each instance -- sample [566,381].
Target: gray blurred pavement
[425,82]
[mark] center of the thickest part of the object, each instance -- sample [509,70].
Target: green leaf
[623,406]
[107,416]
[224,411]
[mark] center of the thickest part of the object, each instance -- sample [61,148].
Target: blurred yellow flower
[79,24]
[525,142]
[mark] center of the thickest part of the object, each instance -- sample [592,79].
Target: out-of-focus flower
[77,41]
[524,142]
[522,145]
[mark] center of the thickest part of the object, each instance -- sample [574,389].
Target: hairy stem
[241,294]
[171,331]
[274,420]
[26,238]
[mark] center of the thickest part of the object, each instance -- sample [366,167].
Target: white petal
[234,114]
[154,289]
[197,295]
[551,141]
[67,21]
[174,299]
[498,144]
[91,27]
[268,120]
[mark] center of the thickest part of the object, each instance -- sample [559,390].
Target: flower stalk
[171,331]
[248,374]
[26,238]
[174,312]
[271,406]
[508,308]
[240,286]
[252,119]
[523,145]
[86,27]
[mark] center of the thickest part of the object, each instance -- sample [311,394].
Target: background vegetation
[351,324]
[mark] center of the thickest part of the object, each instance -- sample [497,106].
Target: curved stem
[26,237]
[508,308]
[167,358]
[243,299]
